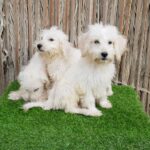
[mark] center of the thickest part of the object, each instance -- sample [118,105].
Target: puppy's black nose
[104,54]
[39,46]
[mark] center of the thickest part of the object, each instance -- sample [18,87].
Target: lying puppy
[102,43]
[59,56]
[33,81]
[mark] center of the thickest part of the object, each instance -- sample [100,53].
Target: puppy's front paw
[109,93]
[26,107]
[105,104]
[93,112]
[14,96]
[96,113]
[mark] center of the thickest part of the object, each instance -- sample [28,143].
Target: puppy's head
[33,87]
[102,43]
[52,41]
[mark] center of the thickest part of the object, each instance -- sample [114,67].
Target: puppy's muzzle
[39,46]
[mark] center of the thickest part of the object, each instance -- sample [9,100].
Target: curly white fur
[59,56]
[101,40]
[33,80]
[89,77]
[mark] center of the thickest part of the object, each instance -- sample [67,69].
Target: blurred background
[21,21]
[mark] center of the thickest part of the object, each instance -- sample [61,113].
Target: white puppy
[33,81]
[90,77]
[102,43]
[59,56]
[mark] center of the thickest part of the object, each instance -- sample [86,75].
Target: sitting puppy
[59,56]
[33,81]
[102,43]
[90,77]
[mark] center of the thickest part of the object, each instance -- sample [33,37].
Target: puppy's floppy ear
[82,43]
[63,43]
[64,47]
[120,46]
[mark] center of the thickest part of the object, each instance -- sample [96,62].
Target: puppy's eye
[96,42]
[109,42]
[36,89]
[51,39]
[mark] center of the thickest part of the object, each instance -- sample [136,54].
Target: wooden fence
[21,21]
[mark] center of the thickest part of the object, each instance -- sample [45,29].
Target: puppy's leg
[101,99]
[83,111]
[45,104]
[88,101]
[30,105]
[109,90]
[105,103]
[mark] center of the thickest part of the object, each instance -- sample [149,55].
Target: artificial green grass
[124,127]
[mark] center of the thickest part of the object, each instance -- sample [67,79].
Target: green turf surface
[124,127]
